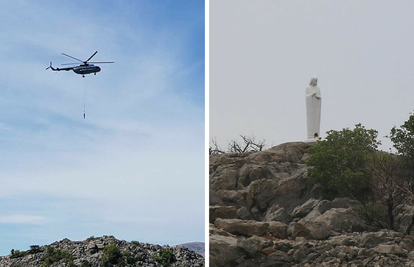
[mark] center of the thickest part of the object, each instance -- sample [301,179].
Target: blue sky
[134,168]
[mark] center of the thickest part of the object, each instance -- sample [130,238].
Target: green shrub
[111,255]
[165,258]
[55,255]
[340,162]
[17,253]
[136,243]
[127,258]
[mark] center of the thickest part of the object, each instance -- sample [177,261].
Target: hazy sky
[264,53]
[135,167]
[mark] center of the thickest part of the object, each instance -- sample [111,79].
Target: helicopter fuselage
[88,69]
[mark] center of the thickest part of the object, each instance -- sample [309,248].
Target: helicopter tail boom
[57,69]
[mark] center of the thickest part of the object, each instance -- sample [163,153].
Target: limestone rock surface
[267,212]
[91,251]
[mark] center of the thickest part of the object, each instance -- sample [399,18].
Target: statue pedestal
[312,140]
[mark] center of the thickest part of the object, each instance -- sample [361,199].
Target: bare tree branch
[214,148]
[249,144]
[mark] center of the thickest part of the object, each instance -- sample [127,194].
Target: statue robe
[313,111]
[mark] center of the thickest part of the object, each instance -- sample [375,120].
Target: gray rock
[311,230]
[278,258]
[343,203]
[276,213]
[260,193]
[342,220]
[370,240]
[278,229]
[391,249]
[244,214]
[304,209]
[224,251]
[251,247]
[241,227]
[225,212]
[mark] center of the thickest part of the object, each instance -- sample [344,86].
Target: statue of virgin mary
[313,109]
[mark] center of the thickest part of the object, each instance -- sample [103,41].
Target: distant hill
[103,251]
[198,247]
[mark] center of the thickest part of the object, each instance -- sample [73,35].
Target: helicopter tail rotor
[50,67]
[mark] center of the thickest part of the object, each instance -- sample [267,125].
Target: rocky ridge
[264,211]
[103,251]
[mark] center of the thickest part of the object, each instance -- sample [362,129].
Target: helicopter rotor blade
[73,58]
[101,62]
[70,64]
[91,56]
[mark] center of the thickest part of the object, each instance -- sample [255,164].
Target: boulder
[224,212]
[278,258]
[391,249]
[244,214]
[252,172]
[224,251]
[342,220]
[241,227]
[304,209]
[278,229]
[276,213]
[370,240]
[253,246]
[260,193]
[225,177]
[287,152]
[344,203]
[310,230]
[293,191]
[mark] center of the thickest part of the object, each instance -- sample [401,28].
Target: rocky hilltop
[264,211]
[103,251]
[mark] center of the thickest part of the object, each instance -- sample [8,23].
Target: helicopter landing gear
[95,73]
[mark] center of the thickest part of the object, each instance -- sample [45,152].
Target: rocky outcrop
[264,211]
[93,252]
[350,249]
[255,182]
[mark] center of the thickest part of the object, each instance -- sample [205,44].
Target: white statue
[313,109]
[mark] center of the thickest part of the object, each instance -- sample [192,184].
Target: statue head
[314,81]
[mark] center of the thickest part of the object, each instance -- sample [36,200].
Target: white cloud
[22,219]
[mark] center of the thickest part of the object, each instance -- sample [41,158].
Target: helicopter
[85,68]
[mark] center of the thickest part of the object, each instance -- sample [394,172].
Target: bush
[340,162]
[55,255]
[136,243]
[403,138]
[17,253]
[165,258]
[34,249]
[111,255]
